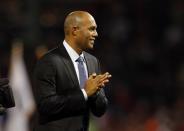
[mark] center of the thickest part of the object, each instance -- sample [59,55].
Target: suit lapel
[68,65]
[89,64]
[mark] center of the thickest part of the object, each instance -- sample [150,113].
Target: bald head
[75,19]
[80,30]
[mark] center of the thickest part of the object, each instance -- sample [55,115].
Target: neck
[74,46]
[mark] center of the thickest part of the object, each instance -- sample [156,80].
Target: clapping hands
[96,82]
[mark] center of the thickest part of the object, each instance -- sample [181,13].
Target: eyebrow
[92,27]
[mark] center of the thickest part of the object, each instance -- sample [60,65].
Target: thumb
[92,76]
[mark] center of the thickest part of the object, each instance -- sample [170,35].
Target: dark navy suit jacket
[60,101]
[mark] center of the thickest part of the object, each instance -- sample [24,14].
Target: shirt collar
[72,53]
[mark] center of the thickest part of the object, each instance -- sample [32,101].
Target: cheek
[85,37]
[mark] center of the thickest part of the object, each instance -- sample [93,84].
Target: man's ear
[75,30]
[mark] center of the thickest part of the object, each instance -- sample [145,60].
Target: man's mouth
[92,40]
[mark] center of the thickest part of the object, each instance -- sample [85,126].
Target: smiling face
[80,31]
[86,33]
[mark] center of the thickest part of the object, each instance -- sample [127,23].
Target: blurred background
[140,43]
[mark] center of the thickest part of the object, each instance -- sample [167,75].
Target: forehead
[89,21]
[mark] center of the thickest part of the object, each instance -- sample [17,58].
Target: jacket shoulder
[90,56]
[50,55]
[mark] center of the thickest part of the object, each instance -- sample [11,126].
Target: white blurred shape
[18,117]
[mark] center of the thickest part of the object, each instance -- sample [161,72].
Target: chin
[91,45]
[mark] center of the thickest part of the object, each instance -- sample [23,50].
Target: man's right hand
[96,82]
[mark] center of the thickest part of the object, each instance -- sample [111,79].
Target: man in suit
[64,98]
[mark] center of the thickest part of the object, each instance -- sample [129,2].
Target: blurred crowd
[140,43]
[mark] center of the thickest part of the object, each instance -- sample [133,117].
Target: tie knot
[80,59]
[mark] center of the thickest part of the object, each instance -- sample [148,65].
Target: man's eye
[91,29]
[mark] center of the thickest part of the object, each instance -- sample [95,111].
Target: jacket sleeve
[49,102]
[98,102]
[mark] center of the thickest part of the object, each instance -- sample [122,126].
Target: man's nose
[95,33]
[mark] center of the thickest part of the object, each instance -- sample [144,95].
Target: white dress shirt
[74,56]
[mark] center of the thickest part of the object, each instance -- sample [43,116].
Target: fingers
[96,82]
[101,79]
[92,76]
[104,78]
